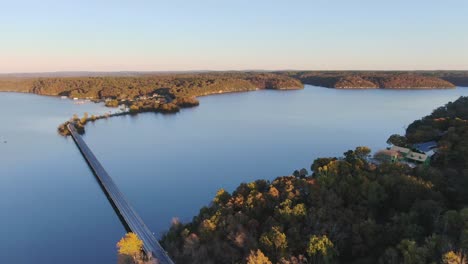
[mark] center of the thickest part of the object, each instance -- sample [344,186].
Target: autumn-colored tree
[321,249]
[274,241]
[257,257]
[273,192]
[221,197]
[112,103]
[84,119]
[362,152]
[453,258]
[131,245]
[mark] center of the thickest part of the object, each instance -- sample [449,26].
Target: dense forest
[129,87]
[348,210]
[388,80]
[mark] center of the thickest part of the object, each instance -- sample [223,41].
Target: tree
[300,173]
[274,241]
[452,258]
[84,119]
[130,245]
[321,249]
[221,197]
[397,140]
[412,254]
[303,173]
[112,103]
[134,108]
[362,152]
[257,257]
[320,162]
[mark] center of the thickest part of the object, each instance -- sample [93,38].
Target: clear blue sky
[102,35]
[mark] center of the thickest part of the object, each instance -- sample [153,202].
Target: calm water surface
[53,211]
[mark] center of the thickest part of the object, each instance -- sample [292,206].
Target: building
[426,146]
[417,157]
[403,151]
[410,156]
[401,154]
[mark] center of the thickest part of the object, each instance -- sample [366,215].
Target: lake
[53,210]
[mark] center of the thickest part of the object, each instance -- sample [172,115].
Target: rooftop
[417,156]
[400,149]
[426,146]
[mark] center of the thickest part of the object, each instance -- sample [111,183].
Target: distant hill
[129,84]
[382,79]
[133,84]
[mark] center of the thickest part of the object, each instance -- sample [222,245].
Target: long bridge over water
[133,221]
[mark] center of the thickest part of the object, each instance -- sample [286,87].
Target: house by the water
[401,154]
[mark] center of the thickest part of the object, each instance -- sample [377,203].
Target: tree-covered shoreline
[131,85]
[349,210]
[136,91]
[382,79]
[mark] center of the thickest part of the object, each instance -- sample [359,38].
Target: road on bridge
[131,218]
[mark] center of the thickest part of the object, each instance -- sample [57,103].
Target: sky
[153,35]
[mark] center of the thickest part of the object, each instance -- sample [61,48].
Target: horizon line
[221,71]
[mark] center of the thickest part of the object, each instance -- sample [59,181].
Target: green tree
[412,254]
[397,140]
[274,241]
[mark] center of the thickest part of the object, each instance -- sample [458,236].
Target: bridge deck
[131,218]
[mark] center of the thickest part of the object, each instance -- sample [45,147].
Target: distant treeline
[127,86]
[389,80]
[178,85]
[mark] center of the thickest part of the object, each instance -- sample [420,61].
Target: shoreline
[175,108]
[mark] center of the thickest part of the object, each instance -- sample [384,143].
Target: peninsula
[137,92]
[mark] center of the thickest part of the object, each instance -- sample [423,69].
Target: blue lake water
[52,209]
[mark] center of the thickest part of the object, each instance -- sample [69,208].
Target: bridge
[131,219]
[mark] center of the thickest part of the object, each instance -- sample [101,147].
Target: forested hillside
[348,210]
[129,87]
[387,80]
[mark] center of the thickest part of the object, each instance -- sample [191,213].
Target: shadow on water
[122,220]
[116,210]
